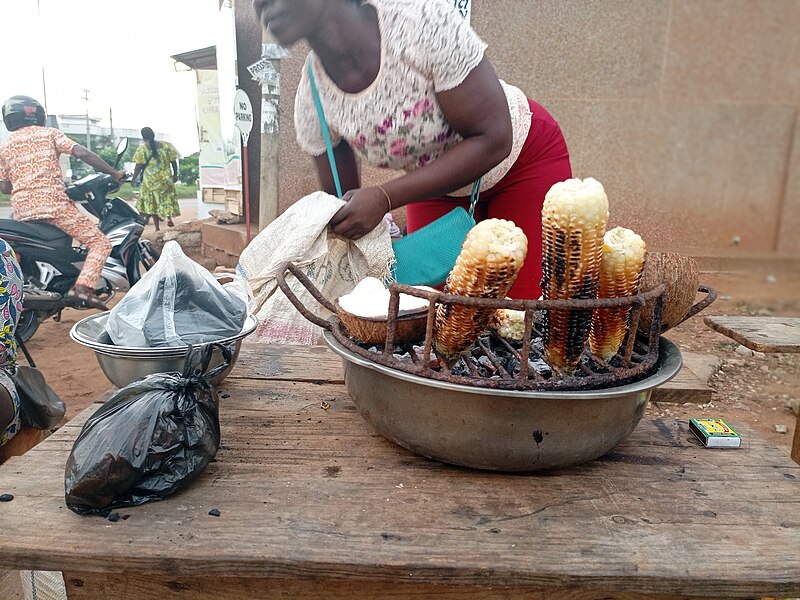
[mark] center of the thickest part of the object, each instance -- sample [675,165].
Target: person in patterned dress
[157,162]
[10,308]
[30,172]
[405,85]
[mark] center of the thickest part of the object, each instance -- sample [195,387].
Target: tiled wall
[686,110]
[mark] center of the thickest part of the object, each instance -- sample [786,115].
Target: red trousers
[518,197]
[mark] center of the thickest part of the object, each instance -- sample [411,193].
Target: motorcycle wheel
[28,323]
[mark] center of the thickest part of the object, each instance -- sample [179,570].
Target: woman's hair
[150,139]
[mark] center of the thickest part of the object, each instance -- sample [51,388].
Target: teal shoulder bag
[426,256]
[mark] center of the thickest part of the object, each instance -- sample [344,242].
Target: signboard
[263,72]
[274,51]
[243,112]
[212,144]
[464,8]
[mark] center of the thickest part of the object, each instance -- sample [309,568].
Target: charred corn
[489,262]
[574,220]
[620,271]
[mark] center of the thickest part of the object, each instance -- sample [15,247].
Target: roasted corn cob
[509,324]
[489,262]
[620,272]
[574,220]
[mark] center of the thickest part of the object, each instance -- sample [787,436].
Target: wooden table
[314,504]
[761,334]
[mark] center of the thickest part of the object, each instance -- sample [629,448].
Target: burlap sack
[301,235]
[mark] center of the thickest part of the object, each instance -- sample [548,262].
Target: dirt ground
[762,391]
[753,390]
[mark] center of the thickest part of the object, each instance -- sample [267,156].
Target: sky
[119,51]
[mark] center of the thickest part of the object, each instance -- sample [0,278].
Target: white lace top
[396,122]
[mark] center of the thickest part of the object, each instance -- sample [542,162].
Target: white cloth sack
[334,265]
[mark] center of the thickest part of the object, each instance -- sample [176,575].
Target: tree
[102,145]
[189,168]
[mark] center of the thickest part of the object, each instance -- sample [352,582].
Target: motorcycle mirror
[122,146]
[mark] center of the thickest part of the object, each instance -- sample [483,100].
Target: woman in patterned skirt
[157,163]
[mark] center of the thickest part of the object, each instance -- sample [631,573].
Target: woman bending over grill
[405,85]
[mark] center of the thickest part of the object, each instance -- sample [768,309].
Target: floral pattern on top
[397,122]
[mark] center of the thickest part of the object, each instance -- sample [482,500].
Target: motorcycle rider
[29,171]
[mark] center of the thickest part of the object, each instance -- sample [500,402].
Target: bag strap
[147,162]
[473,197]
[476,185]
[324,126]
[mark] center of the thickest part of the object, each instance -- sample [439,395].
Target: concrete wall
[686,110]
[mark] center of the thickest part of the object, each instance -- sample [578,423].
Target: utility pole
[111,123]
[44,81]
[268,72]
[88,133]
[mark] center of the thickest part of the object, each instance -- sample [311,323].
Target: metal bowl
[123,365]
[499,430]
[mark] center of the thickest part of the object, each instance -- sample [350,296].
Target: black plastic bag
[40,406]
[150,439]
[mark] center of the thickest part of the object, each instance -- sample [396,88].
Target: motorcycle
[50,264]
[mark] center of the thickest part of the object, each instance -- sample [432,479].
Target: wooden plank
[288,362]
[313,493]
[11,585]
[762,334]
[327,498]
[687,385]
[92,586]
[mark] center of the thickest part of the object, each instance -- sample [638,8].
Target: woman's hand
[364,210]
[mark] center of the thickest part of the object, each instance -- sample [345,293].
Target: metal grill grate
[494,362]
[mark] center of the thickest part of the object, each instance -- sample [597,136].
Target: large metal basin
[123,370]
[123,365]
[498,429]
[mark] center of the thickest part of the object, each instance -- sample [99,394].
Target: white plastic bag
[176,303]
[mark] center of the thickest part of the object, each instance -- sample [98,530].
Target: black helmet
[21,111]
